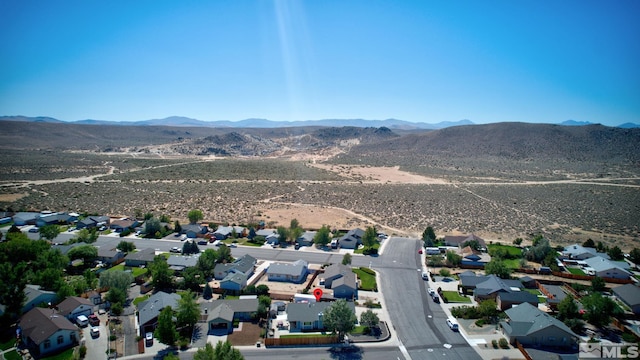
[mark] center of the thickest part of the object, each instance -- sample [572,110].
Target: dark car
[436,298]
[94,320]
[203,242]
[34,230]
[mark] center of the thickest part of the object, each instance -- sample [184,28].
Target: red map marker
[317,293]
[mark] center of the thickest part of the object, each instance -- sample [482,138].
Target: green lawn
[454,297]
[511,250]
[358,330]
[361,251]
[135,271]
[8,344]
[242,241]
[12,355]
[140,299]
[367,281]
[512,263]
[65,355]
[576,271]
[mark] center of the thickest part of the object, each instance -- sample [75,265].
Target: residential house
[94,297]
[243,265]
[74,306]
[53,219]
[194,230]
[149,309]
[44,332]
[532,327]
[110,256]
[630,295]
[220,314]
[604,268]
[234,282]
[123,224]
[579,252]
[507,300]
[346,287]
[224,232]
[309,316]
[34,297]
[334,272]
[178,262]
[25,218]
[473,257]
[352,239]
[306,239]
[458,241]
[270,236]
[140,258]
[555,295]
[295,272]
[93,221]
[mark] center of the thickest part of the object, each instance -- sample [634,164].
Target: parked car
[203,242]
[436,298]
[233,245]
[94,320]
[95,332]
[148,338]
[34,230]
[452,325]
[431,292]
[420,251]
[175,249]
[425,276]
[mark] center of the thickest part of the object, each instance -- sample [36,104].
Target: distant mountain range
[182,121]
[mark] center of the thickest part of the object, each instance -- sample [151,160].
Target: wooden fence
[523,351]
[310,340]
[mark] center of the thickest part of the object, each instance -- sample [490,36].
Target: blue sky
[428,61]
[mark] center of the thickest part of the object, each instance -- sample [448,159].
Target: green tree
[346,259]
[177,227]
[116,295]
[222,351]
[116,279]
[322,236]
[207,294]
[117,309]
[166,331]
[151,227]
[474,244]
[600,247]
[598,284]
[252,233]
[488,308]
[190,247]
[160,273]
[283,233]
[164,218]
[49,232]
[339,318]
[65,291]
[539,251]
[224,254]
[517,241]
[194,216]
[188,311]
[207,262]
[12,288]
[90,278]
[126,246]
[370,237]
[634,256]
[589,243]
[87,253]
[615,253]
[148,215]
[429,237]
[262,289]
[88,236]
[295,231]
[369,319]
[497,267]
[567,309]
[453,259]
[599,308]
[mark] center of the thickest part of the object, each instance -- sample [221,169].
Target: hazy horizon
[494,61]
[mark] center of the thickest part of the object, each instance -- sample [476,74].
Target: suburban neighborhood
[118,287]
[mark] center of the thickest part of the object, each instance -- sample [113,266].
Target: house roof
[64,249]
[147,255]
[26,216]
[39,324]
[453,240]
[493,284]
[577,250]
[518,296]
[348,280]
[223,230]
[222,311]
[126,223]
[354,235]
[307,236]
[237,306]
[601,264]
[297,268]
[244,264]
[309,312]
[107,253]
[193,227]
[55,218]
[150,309]
[183,261]
[334,270]
[237,278]
[32,292]
[628,293]
[265,232]
[526,319]
[71,303]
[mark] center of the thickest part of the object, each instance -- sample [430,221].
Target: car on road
[425,276]
[203,242]
[431,291]
[420,251]
[34,230]
[436,298]
[233,245]
[175,249]
[452,325]
[95,332]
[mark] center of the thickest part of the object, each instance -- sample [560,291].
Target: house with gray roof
[306,239]
[351,239]
[506,300]
[604,268]
[194,230]
[74,306]
[458,241]
[53,219]
[309,316]
[25,218]
[139,258]
[220,314]
[110,256]
[630,295]
[149,309]
[123,224]
[532,327]
[346,287]
[290,272]
[334,272]
[180,262]
[579,252]
[34,297]
[93,221]
[234,282]
[45,332]
[244,265]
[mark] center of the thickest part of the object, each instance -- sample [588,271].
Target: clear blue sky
[430,61]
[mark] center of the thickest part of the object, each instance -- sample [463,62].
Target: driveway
[97,347]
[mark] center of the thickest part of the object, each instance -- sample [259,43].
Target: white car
[452,325]
[95,332]
[431,291]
